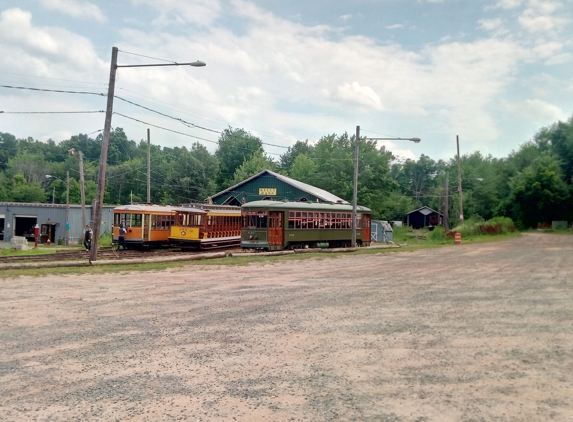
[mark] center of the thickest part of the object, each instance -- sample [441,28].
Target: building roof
[40,204]
[317,192]
[424,210]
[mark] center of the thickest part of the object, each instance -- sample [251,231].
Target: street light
[355,194]
[67,228]
[105,141]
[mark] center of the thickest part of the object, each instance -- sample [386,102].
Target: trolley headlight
[183,233]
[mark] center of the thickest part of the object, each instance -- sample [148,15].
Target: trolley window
[255,220]
[128,220]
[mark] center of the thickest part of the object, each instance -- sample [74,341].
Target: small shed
[381,231]
[424,217]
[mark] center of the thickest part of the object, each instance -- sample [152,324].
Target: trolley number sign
[267,191]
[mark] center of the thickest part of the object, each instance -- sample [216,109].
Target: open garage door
[2,225]
[24,226]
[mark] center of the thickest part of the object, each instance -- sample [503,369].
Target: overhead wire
[51,112]
[52,90]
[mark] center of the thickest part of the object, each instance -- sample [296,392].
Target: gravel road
[477,332]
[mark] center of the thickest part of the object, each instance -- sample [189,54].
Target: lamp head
[198,63]
[416,140]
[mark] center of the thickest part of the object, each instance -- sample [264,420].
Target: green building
[268,185]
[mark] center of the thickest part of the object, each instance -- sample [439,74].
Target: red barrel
[458,238]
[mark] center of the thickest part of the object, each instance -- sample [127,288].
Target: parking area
[461,333]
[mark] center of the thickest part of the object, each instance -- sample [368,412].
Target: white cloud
[42,49]
[490,24]
[538,111]
[540,17]
[508,4]
[75,8]
[345,17]
[395,26]
[354,92]
[200,12]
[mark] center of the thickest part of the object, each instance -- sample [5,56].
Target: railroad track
[106,253]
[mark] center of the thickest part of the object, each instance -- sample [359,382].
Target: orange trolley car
[147,225]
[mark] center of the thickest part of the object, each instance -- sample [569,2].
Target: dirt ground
[477,332]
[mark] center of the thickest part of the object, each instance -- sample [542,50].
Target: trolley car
[274,225]
[147,225]
[206,226]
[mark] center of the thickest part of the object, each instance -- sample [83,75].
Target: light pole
[105,142]
[355,193]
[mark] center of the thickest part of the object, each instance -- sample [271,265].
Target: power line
[147,57]
[55,79]
[166,115]
[52,90]
[51,112]
[175,131]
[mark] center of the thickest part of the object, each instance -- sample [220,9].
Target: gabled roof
[317,192]
[424,210]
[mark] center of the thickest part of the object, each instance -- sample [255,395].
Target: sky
[491,72]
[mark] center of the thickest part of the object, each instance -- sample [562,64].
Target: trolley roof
[303,206]
[144,208]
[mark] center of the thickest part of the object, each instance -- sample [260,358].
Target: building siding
[53,213]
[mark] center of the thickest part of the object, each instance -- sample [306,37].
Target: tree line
[532,185]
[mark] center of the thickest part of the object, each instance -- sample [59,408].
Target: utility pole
[148,167]
[460,181]
[82,190]
[446,203]
[53,194]
[105,141]
[103,156]
[355,194]
[67,207]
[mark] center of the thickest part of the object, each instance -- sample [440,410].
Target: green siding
[250,191]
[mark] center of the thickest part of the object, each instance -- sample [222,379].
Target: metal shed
[381,231]
[19,219]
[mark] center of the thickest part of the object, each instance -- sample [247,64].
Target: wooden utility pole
[148,167]
[355,193]
[103,156]
[446,204]
[67,236]
[82,190]
[460,181]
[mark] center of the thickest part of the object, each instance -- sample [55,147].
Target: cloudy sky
[493,72]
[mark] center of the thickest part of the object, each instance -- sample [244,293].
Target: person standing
[88,237]
[121,238]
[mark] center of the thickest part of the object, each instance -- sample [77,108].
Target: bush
[437,235]
[105,239]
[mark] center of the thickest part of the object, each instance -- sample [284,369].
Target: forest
[533,185]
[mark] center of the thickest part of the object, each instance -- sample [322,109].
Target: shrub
[437,234]
[105,239]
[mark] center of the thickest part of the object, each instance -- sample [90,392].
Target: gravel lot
[478,332]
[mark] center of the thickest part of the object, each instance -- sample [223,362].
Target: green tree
[22,191]
[303,169]
[253,165]
[234,147]
[8,149]
[287,160]
[538,192]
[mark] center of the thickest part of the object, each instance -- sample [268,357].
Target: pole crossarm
[194,64]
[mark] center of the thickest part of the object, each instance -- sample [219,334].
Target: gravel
[477,332]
